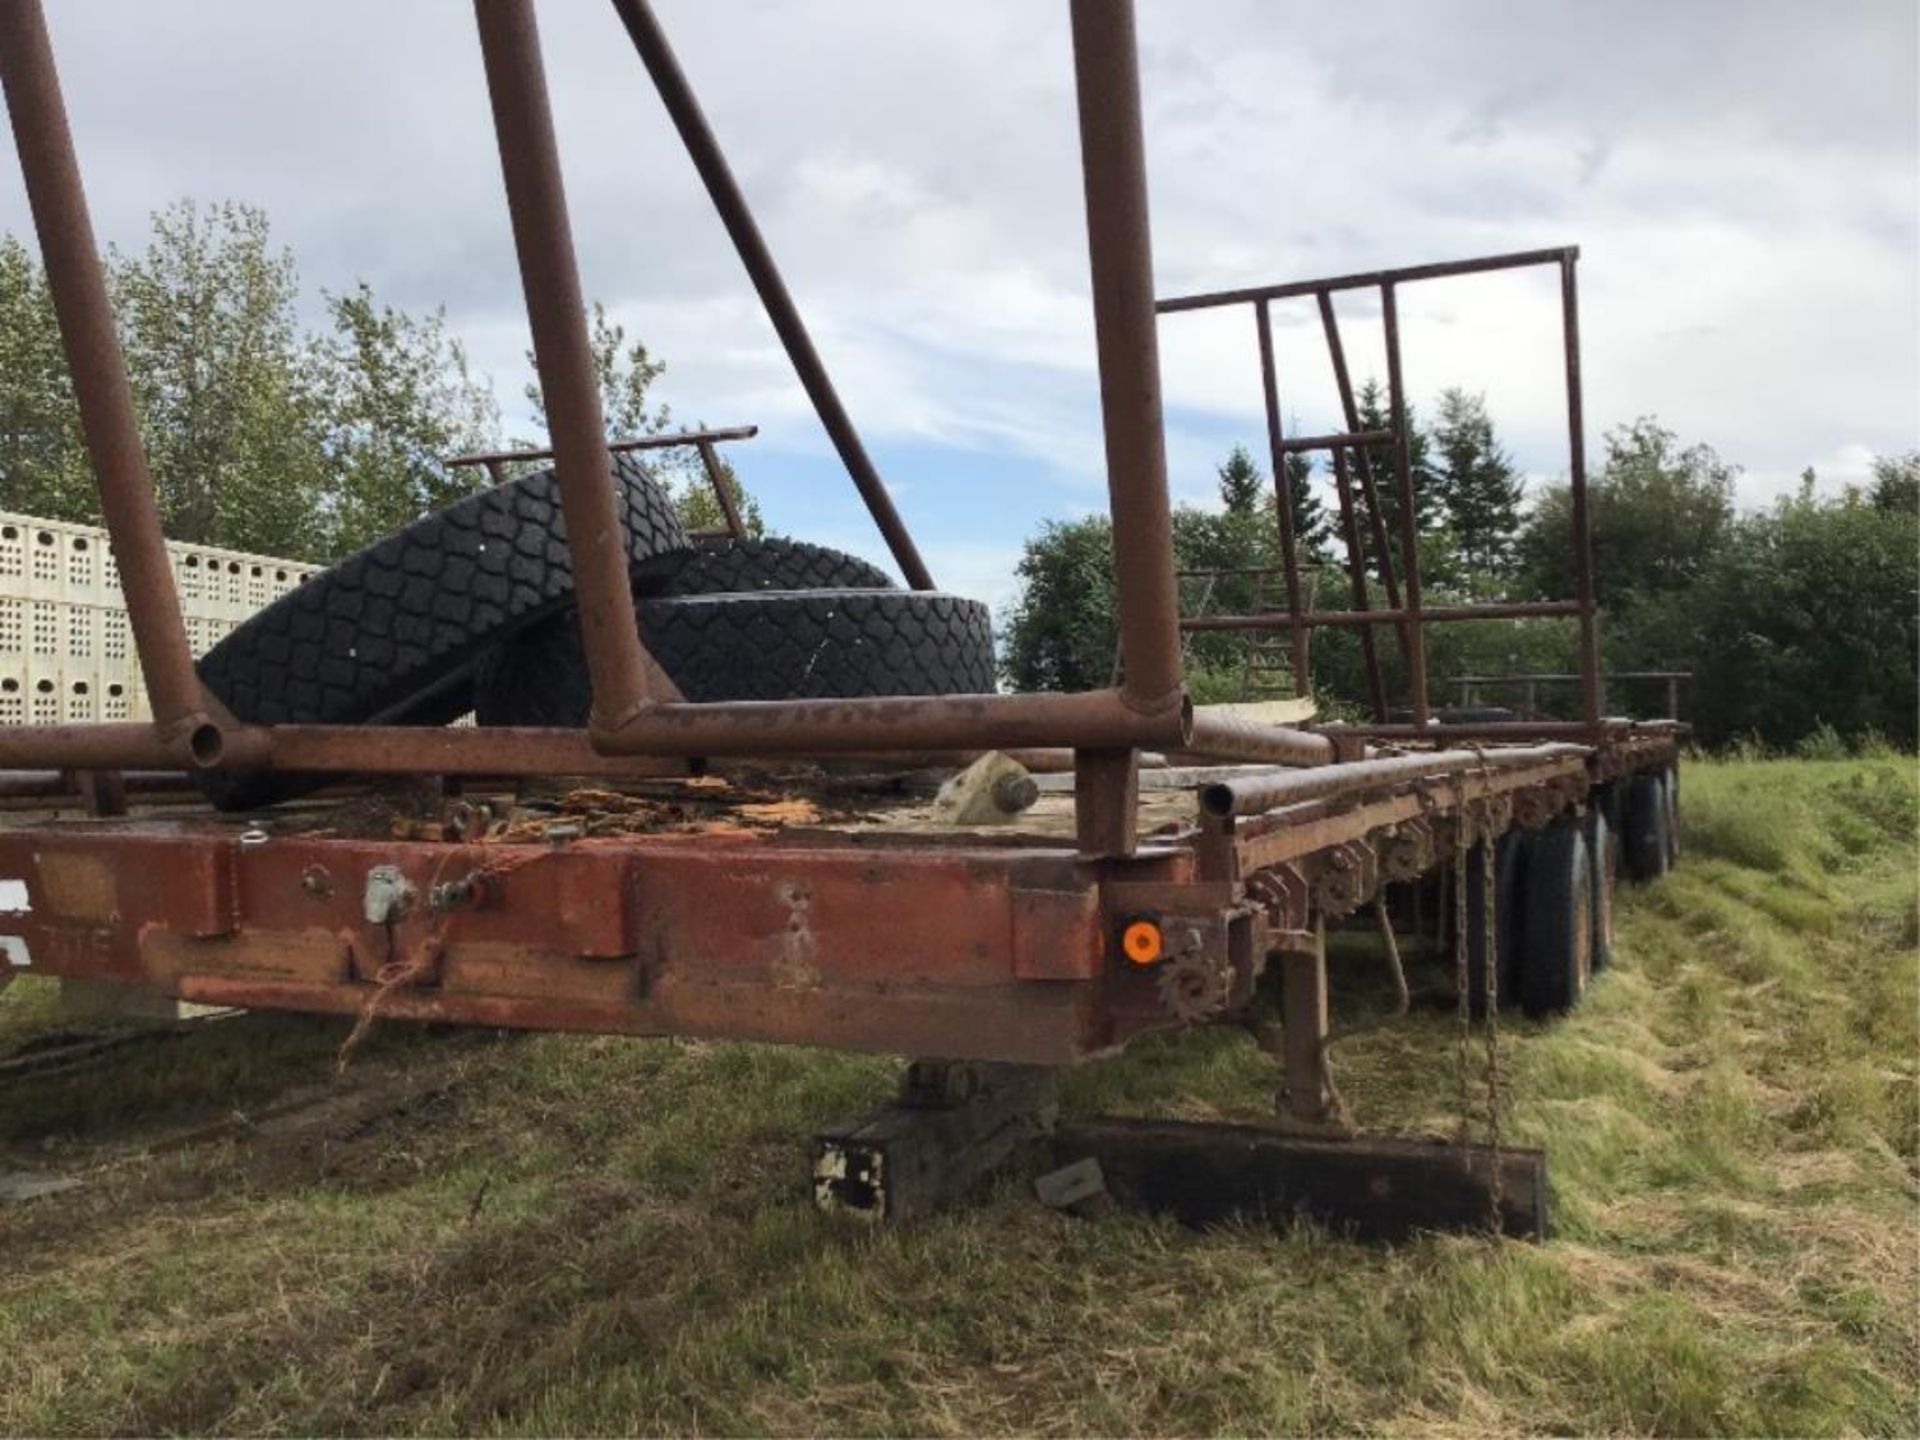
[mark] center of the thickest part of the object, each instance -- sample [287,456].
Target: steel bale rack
[993,957]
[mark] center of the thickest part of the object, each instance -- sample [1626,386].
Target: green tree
[1479,490]
[1244,492]
[1242,487]
[626,373]
[207,317]
[1061,630]
[1896,483]
[1806,617]
[699,508]
[43,463]
[1657,514]
[397,398]
[1376,414]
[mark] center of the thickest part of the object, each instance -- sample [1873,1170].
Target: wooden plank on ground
[1373,1189]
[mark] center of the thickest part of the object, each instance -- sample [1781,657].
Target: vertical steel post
[717,478]
[691,121]
[1590,693]
[1113,158]
[105,398]
[1283,494]
[543,239]
[1357,582]
[1363,463]
[1409,520]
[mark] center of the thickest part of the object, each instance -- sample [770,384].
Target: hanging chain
[1490,920]
[1462,979]
[1467,828]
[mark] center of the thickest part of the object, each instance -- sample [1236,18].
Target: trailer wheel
[1509,894]
[1603,853]
[392,634]
[1559,923]
[1646,845]
[764,645]
[1670,795]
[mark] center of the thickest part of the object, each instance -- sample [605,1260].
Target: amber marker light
[1141,942]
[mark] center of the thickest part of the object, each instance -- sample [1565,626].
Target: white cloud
[1741,175]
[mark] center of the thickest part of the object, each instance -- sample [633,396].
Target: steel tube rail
[683,106]
[85,313]
[1120,249]
[113,745]
[1437,615]
[1229,737]
[1371,279]
[1363,464]
[1344,441]
[1561,677]
[722,496]
[635,442]
[1097,719]
[1357,583]
[1257,794]
[1283,494]
[557,312]
[1591,698]
[1448,733]
[61,784]
[1409,519]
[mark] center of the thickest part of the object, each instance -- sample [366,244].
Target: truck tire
[763,645]
[1603,854]
[1559,924]
[1645,843]
[735,566]
[392,634]
[538,676]
[1509,893]
[1670,796]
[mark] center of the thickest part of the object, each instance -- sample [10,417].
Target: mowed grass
[585,1235]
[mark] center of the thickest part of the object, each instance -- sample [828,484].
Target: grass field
[577,1235]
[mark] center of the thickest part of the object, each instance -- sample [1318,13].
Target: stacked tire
[471,609]
[758,620]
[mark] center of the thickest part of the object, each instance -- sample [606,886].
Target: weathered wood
[908,1159]
[1377,1189]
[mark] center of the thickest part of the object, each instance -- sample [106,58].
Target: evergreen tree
[1244,492]
[1376,414]
[1241,483]
[1311,524]
[1479,491]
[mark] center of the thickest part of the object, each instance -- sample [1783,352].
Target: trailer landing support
[954,1125]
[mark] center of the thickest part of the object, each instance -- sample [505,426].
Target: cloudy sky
[1741,176]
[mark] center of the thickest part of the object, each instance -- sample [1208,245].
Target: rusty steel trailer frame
[1003,948]
[635,711]
[704,442]
[1350,452]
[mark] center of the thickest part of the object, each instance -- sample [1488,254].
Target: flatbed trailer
[754,870]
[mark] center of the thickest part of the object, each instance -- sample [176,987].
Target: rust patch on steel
[1057,934]
[795,969]
[280,956]
[486,967]
[76,886]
